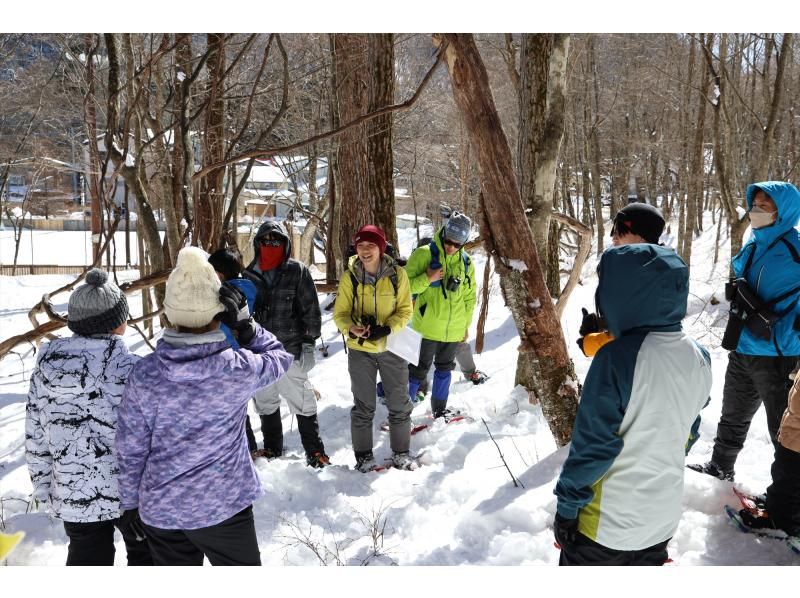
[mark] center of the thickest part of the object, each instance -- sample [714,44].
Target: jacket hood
[193,359]
[643,287]
[275,228]
[385,268]
[787,200]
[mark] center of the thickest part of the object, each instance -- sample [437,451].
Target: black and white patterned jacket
[70,425]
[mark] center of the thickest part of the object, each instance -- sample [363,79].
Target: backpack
[354,281]
[436,263]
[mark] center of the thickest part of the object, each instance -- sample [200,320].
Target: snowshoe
[761,526]
[477,377]
[756,504]
[449,415]
[404,461]
[318,460]
[268,454]
[714,470]
[365,462]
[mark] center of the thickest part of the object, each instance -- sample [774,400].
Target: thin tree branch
[517,482]
[263,153]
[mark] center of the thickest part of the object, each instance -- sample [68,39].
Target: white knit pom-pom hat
[192,297]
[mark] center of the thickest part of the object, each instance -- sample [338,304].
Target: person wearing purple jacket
[184,462]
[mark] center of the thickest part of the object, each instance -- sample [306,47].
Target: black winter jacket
[288,308]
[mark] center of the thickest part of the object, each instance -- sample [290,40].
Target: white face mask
[759,218]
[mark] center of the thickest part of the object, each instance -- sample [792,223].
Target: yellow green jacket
[390,308]
[439,314]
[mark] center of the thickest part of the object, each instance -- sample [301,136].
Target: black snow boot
[308,426]
[272,429]
[438,408]
[714,470]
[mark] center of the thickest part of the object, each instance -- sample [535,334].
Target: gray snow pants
[749,381]
[363,368]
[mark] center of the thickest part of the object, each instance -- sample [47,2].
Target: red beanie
[371,234]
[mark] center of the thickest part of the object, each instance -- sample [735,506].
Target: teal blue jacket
[774,269]
[623,477]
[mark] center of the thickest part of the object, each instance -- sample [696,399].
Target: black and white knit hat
[457,228]
[97,307]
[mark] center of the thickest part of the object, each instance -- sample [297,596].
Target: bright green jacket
[390,308]
[439,314]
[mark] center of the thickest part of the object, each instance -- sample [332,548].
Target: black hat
[226,262]
[640,219]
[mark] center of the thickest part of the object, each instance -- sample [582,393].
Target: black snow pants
[92,543]
[749,381]
[231,542]
[783,495]
[588,552]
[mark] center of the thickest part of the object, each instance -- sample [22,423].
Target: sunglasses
[270,242]
[453,244]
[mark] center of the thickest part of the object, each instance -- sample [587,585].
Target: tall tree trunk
[355,204]
[594,144]
[90,118]
[516,257]
[379,132]
[695,198]
[182,151]
[534,69]
[762,171]
[208,209]
[736,225]
[542,103]
[550,145]
[116,139]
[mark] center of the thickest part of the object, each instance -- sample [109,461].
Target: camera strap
[437,263]
[792,250]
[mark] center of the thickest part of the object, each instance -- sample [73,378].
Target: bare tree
[513,247]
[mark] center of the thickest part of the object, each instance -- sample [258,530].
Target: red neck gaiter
[270,258]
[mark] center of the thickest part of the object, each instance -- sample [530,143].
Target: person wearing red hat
[372,301]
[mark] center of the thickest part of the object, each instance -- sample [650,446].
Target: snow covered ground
[461,508]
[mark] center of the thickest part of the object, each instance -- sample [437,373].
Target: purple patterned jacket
[182,451]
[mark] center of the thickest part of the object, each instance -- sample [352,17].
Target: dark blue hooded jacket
[774,270]
[623,478]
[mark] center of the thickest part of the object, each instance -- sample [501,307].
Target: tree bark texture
[208,208]
[762,171]
[548,149]
[554,385]
[695,197]
[355,204]
[379,132]
[534,70]
[117,138]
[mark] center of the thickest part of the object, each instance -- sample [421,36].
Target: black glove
[378,331]
[235,304]
[591,323]
[579,342]
[565,530]
[236,315]
[245,331]
[130,520]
